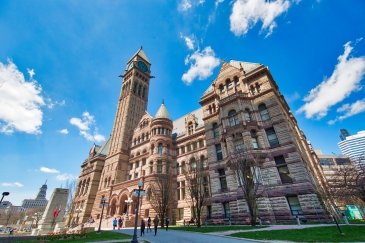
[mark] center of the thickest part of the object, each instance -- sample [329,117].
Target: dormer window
[190,128]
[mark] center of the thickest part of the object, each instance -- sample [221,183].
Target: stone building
[242,109]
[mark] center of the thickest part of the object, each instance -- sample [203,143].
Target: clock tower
[132,105]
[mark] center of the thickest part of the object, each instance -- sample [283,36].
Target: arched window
[215,130]
[264,113]
[192,163]
[135,88]
[214,109]
[254,140]
[247,114]
[236,81]
[252,89]
[142,137]
[152,148]
[160,148]
[210,109]
[228,84]
[190,128]
[203,162]
[221,88]
[258,88]
[233,118]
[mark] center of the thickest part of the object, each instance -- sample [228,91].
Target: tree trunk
[198,218]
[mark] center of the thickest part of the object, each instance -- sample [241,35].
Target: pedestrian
[155,224]
[143,226]
[115,222]
[120,223]
[149,224]
[167,221]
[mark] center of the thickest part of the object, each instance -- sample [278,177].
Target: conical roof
[162,112]
[141,54]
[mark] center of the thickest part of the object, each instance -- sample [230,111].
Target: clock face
[142,66]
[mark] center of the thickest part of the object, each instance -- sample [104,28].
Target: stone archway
[123,207]
[113,207]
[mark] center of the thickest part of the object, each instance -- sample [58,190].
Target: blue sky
[60,62]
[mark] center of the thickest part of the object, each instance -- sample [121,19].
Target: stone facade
[242,109]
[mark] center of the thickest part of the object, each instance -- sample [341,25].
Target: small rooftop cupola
[162,112]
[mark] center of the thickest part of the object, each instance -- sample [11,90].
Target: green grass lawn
[316,234]
[209,229]
[93,236]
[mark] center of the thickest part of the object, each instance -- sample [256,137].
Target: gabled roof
[104,149]
[179,124]
[162,112]
[247,66]
[141,54]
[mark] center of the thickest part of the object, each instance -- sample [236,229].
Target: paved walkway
[177,236]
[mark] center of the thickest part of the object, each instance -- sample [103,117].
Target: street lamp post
[128,202]
[78,210]
[134,240]
[4,194]
[103,203]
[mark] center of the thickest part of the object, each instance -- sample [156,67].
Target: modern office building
[39,202]
[354,147]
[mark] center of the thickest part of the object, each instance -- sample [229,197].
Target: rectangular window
[136,164]
[271,137]
[206,186]
[215,130]
[283,170]
[201,143]
[294,205]
[135,175]
[182,190]
[159,166]
[182,150]
[218,151]
[209,211]
[226,210]
[188,147]
[222,179]
[239,145]
[195,146]
[178,191]
[180,214]
[143,162]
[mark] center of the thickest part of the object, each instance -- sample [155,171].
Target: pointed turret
[162,112]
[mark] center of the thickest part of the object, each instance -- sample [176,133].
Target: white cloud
[189,41]
[345,79]
[246,13]
[84,124]
[12,184]
[185,5]
[20,101]
[31,73]
[63,131]
[65,177]
[202,64]
[51,104]
[48,170]
[349,110]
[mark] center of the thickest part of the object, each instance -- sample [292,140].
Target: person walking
[167,221]
[143,226]
[149,224]
[120,223]
[155,224]
[115,222]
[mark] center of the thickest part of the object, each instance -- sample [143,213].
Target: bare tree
[161,195]
[347,184]
[245,164]
[197,185]
[71,185]
[35,214]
